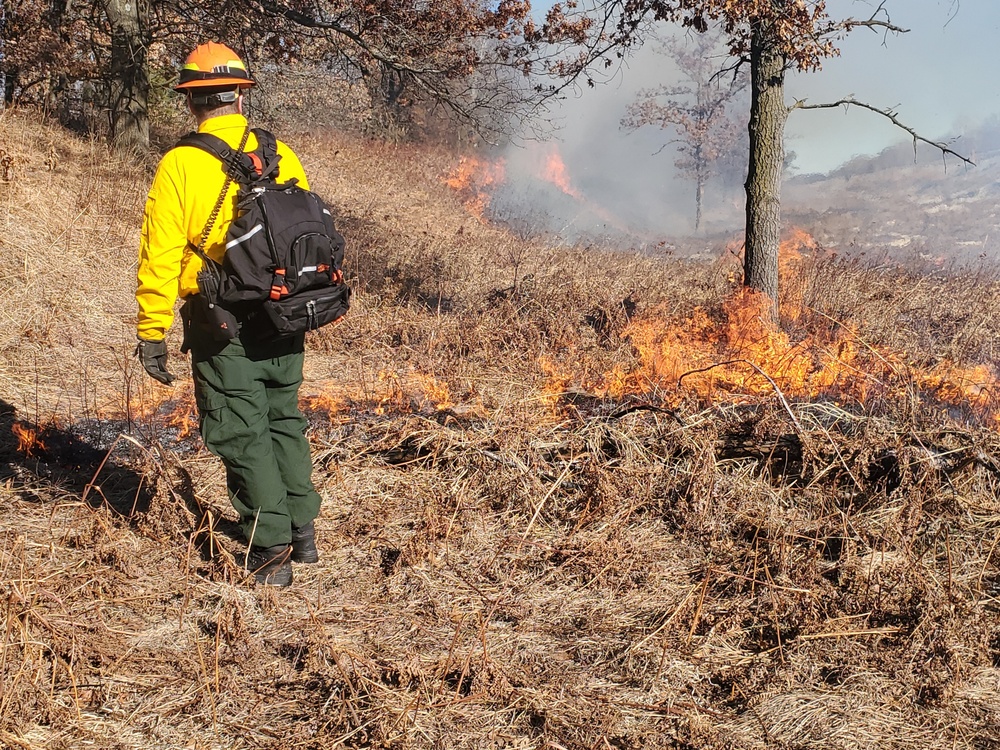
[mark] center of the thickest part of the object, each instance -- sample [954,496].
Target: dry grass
[508,559]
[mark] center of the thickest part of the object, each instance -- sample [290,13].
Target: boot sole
[281,578]
[305,556]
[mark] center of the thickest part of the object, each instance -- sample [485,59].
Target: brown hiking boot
[304,544]
[271,565]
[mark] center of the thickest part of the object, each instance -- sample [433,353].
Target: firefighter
[246,389]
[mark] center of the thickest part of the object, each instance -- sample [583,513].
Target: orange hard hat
[213,65]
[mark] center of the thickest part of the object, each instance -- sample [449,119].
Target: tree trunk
[129,22]
[10,79]
[699,197]
[763,186]
[3,61]
[385,88]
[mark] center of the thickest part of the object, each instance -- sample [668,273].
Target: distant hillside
[899,207]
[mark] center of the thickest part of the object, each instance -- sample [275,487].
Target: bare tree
[42,44]
[771,37]
[697,110]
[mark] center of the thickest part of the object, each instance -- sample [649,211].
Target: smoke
[936,75]
[609,182]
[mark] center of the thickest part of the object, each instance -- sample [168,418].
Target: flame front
[435,392]
[173,408]
[328,400]
[553,170]
[741,355]
[558,378]
[390,392]
[475,180]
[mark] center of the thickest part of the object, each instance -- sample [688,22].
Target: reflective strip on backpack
[248,235]
[308,269]
[327,212]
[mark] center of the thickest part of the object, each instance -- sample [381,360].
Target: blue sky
[942,76]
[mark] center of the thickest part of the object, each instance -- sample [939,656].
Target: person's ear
[239,103]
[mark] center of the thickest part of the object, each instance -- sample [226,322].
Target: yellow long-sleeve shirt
[186,186]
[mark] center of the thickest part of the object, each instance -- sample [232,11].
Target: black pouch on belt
[203,319]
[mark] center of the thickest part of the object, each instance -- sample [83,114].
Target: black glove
[153,355]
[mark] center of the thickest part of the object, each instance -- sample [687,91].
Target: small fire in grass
[29,441]
[409,391]
[435,392]
[328,399]
[391,392]
[174,408]
[472,178]
[558,379]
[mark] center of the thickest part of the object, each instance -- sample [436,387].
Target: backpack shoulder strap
[221,151]
[267,149]
[207,142]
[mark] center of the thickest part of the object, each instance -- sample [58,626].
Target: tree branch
[875,24]
[871,23]
[311,22]
[889,115]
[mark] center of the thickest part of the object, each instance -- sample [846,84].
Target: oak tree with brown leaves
[461,56]
[698,111]
[771,37]
[43,49]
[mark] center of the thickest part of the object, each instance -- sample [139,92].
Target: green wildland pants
[247,396]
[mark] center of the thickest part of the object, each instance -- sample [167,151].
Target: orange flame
[558,377]
[330,399]
[388,393]
[554,171]
[472,178]
[745,356]
[392,392]
[182,417]
[29,440]
[434,391]
[797,247]
[174,408]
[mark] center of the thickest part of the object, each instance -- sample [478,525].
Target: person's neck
[211,116]
[201,119]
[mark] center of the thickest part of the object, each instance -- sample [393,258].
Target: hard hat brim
[218,83]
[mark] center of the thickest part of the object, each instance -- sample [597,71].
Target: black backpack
[283,252]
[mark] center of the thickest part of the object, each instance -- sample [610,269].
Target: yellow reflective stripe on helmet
[235,64]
